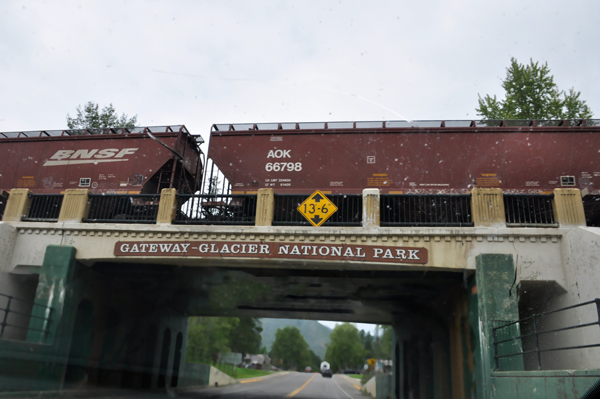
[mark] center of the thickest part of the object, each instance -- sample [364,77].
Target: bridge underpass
[119,311]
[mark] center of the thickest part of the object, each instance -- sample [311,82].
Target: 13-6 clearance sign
[317,208]
[225,249]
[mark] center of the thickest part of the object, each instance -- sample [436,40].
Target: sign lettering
[226,249]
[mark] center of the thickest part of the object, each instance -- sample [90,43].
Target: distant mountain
[314,333]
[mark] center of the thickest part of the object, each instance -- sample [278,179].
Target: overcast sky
[199,62]
[203,62]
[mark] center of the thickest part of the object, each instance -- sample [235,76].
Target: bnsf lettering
[68,157]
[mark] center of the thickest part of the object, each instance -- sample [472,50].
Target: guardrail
[529,210]
[8,311]
[503,340]
[123,208]
[349,211]
[44,208]
[420,210]
[238,209]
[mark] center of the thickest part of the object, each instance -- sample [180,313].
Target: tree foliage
[531,93]
[345,349]
[368,343]
[209,337]
[289,350]
[89,117]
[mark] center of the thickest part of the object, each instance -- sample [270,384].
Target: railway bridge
[490,295]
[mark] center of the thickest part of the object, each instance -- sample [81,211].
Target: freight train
[142,160]
[420,157]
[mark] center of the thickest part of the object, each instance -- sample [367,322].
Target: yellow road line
[252,380]
[302,387]
[356,386]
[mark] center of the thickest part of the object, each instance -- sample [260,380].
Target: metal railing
[44,207]
[516,341]
[239,209]
[25,325]
[123,208]
[349,211]
[426,210]
[529,210]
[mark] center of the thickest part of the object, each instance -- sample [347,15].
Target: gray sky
[203,62]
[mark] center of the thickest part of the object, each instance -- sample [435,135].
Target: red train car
[142,160]
[421,157]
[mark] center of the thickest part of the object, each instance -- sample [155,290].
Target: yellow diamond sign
[317,208]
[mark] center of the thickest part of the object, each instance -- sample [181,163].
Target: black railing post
[537,342]
[5,319]
[597,301]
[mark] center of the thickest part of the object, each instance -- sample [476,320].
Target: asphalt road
[290,385]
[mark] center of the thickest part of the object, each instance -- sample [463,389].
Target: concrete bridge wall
[120,334]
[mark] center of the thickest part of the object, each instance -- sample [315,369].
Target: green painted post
[58,289]
[53,292]
[497,304]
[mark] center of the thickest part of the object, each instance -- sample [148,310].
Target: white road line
[341,389]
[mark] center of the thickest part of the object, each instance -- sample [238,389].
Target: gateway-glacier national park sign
[225,249]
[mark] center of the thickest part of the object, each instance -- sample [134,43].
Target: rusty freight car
[142,160]
[419,157]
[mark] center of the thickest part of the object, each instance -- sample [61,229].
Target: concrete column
[265,207]
[487,207]
[17,205]
[75,205]
[55,290]
[59,289]
[167,207]
[497,304]
[371,208]
[568,207]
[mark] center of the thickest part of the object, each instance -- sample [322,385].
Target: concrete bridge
[106,304]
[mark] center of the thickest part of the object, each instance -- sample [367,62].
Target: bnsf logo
[74,157]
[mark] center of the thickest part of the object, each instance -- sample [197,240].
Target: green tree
[367,340]
[245,336]
[531,93]
[345,349]
[209,337]
[90,118]
[290,350]
[385,343]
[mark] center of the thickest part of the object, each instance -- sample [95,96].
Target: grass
[354,376]
[249,373]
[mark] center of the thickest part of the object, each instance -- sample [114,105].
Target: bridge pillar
[487,205]
[497,302]
[17,205]
[41,362]
[265,207]
[568,207]
[167,207]
[75,205]
[371,207]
